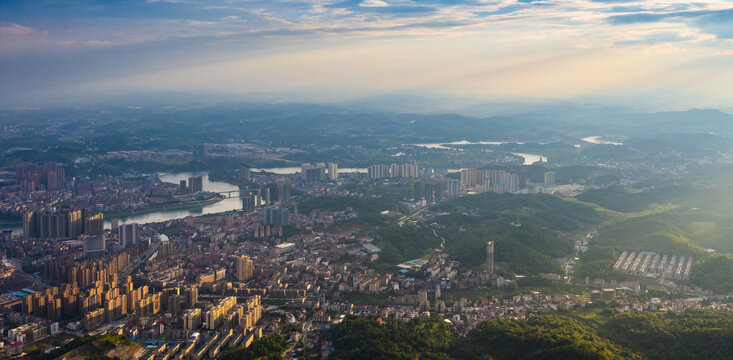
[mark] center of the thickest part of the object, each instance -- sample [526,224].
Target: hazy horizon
[668,55]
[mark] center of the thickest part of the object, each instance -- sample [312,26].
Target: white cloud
[373,3]
[478,47]
[14,29]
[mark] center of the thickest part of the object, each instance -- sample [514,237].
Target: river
[293,169]
[597,140]
[228,204]
[529,159]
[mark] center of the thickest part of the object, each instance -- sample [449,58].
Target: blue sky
[664,51]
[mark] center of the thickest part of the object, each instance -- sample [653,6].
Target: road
[442,240]
[144,258]
[406,218]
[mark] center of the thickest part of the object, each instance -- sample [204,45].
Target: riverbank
[163,207]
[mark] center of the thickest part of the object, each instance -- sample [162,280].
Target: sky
[665,52]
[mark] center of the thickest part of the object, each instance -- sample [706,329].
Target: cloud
[381,7]
[638,18]
[718,23]
[482,34]
[655,38]
[9,29]
[715,22]
[373,3]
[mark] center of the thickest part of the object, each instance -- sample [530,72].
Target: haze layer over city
[369,179]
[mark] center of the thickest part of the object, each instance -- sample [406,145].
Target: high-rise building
[549,179]
[195,184]
[453,189]
[30,177]
[94,244]
[428,191]
[192,295]
[485,178]
[215,315]
[76,220]
[51,181]
[283,193]
[192,319]
[488,184]
[333,173]
[248,202]
[438,190]
[182,187]
[509,183]
[199,150]
[29,224]
[314,175]
[403,170]
[128,235]
[57,224]
[418,190]
[244,172]
[490,258]
[94,225]
[513,183]
[378,172]
[303,167]
[245,268]
[267,196]
[275,216]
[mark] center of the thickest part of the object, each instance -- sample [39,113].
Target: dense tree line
[643,335]
[268,348]
[368,208]
[694,334]
[370,338]
[528,230]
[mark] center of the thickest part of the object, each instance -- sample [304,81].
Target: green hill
[690,335]
[618,199]
[97,347]
[693,334]
[370,338]
[528,230]
[541,337]
[681,231]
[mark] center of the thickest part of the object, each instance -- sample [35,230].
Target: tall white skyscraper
[333,172]
[514,183]
[509,183]
[378,171]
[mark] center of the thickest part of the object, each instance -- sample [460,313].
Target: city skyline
[366,179]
